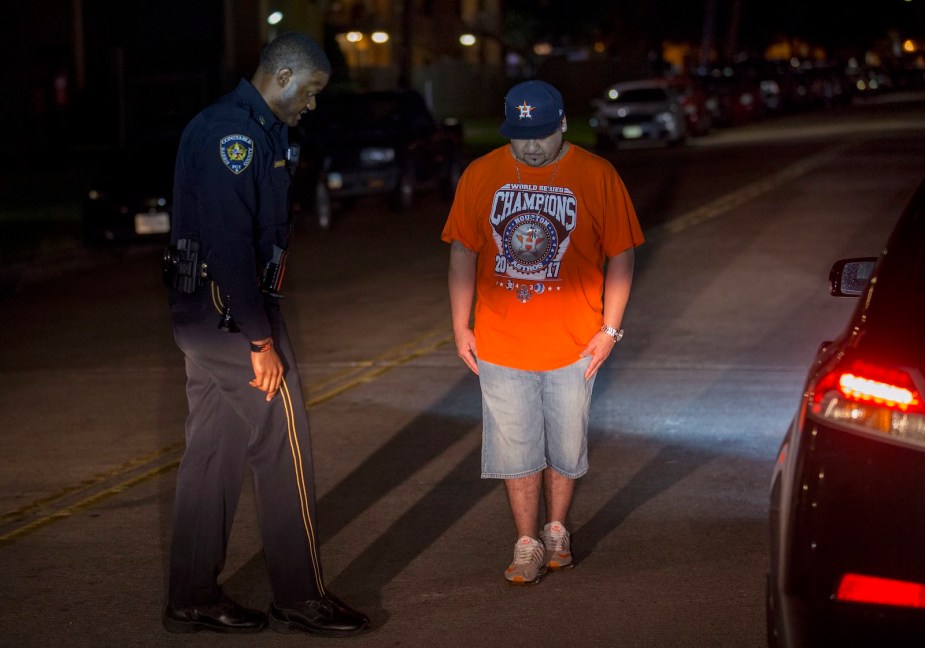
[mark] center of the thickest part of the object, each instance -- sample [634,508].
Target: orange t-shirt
[542,244]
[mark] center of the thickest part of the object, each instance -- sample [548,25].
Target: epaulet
[252,114]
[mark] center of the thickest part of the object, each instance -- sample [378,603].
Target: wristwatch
[616,334]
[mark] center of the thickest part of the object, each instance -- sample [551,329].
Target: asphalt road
[729,303]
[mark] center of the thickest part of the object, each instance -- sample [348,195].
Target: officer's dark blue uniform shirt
[231,188]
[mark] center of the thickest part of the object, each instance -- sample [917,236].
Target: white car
[639,111]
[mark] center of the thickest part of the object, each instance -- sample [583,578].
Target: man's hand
[599,349]
[617,281]
[465,348]
[462,290]
[268,369]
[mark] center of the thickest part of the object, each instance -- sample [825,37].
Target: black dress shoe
[224,616]
[328,616]
[344,608]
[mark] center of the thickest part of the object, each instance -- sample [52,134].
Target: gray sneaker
[557,542]
[529,562]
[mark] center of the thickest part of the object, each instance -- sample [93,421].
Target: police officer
[230,235]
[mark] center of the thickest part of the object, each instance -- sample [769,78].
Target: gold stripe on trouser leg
[300,478]
[217,297]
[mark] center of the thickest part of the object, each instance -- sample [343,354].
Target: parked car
[130,196]
[383,143]
[869,80]
[695,105]
[647,110]
[847,498]
[737,96]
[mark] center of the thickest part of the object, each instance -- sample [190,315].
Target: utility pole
[405,51]
[80,61]
[732,36]
[708,37]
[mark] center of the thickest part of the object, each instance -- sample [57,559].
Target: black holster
[181,268]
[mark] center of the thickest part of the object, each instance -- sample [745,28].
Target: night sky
[154,38]
[834,24]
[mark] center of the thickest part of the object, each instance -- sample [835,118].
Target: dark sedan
[129,199]
[383,143]
[847,506]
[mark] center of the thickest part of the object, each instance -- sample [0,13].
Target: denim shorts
[532,420]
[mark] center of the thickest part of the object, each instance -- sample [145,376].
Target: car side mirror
[849,277]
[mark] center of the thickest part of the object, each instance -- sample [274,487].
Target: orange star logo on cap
[525,110]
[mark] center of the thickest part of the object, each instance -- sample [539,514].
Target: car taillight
[871,398]
[860,588]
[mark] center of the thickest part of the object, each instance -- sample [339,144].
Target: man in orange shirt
[542,234]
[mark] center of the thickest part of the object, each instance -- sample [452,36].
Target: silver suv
[639,111]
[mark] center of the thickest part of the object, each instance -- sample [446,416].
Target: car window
[350,113]
[372,111]
[378,112]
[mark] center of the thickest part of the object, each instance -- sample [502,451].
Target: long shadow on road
[419,443]
[668,467]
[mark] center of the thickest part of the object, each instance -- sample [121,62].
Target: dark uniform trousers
[231,425]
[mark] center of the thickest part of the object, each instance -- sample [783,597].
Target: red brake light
[864,382]
[858,588]
[870,398]
[861,388]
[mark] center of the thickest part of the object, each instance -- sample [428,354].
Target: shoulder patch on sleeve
[237,152]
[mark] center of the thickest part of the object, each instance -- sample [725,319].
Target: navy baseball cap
[532,110]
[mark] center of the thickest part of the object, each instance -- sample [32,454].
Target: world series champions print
[531,226]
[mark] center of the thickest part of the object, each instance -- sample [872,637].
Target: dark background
[161,61]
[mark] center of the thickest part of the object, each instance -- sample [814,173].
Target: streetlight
[273,20]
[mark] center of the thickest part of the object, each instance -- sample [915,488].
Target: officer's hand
[599,349]
[268,372]
[465,348]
